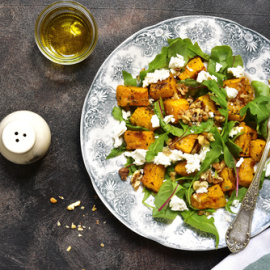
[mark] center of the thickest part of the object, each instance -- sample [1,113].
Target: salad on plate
[192,128]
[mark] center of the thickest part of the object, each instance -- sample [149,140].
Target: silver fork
[238,234]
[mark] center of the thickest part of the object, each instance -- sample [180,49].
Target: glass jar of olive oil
[66,32]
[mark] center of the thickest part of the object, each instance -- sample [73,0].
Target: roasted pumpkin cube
[138,139]
[142,117]
[131,96]
[246,172]
[256,148]
[193,67]
[187,143]
[214,198]
[244,139]
[163,89]
[242,85]
[180,168]
[234,112]
[228,176]
[207,103]
[153,176]
[174,106]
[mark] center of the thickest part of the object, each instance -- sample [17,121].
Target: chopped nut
[203,141]
[53,200]
[200,184]
[58,223]
[80,229]
[73,226]
[73,205]
[136,179]
[210,137]
[219,166]
[124,172]
[61,197]
[94,208]
[183,89]
[172,175]
[69,248]
[67,226]
[220,118]
[102,245]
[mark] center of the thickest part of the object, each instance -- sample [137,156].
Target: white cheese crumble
[167,156]
[235,131]
[151,100]
[211,114]
[169,118]
[239,162]
[138,155]
[231,92]
[204,76]
[190,69]
[154,77]
[218,67]
[177,204]
[125,114]
[177,62]
[200,186]
[118,132]
[235,203]
[219,128]
[237,72]
[155,121]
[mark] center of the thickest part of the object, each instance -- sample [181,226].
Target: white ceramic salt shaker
[25,137]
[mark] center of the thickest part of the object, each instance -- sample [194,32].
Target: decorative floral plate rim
[96,124]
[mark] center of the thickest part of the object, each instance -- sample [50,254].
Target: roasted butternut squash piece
[228,179]
[193,67]
[180,168]
[163,89]
[138,139]
[153,176]
[174,106]
[187,143]
[256,149]
[131,96]
[244,139]
[214,198]
[142,117]
[234,112]
[246,172]
[207,103]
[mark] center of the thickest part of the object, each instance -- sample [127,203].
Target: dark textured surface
[29,235]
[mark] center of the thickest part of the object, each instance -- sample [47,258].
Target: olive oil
[67,35]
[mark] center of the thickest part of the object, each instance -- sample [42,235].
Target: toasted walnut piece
[196,105]
[210,137]
[219,166]
[196,149]
[53,200]
[73,205]
[200,184]
[203,141]
[206,175]
[216,180]
[183,89]
[219,118]
[136,179]
[190,100]
[175,96]
[123,172]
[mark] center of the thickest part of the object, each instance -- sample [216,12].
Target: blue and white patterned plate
[97,124]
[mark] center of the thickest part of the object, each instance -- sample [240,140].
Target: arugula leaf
[222,55]
[195,89]
[258,108]
[156,147]
[117,151]
[237,61]
[201,223]
[260,89]
[241,193]
[164,215]
[203,127]
[228,158]
[128,79]
[117,114]
[234,148]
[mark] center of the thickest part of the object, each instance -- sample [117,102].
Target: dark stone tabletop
[29,235]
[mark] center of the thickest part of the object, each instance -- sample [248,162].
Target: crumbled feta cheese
[237,72]
[177,62]
[231,92]
[194,161]
[211,114]
[190,69]
[118,132]
[125,114]
[204,76]
[219,128]
[138,155]
[155,121]
[235,203]
[191,131]
[239,162]
[218,67]
[167,156]
[169,118]
[154,77]
[235,130]
[200,186]
[177,204]
[162,159]
[151,100]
